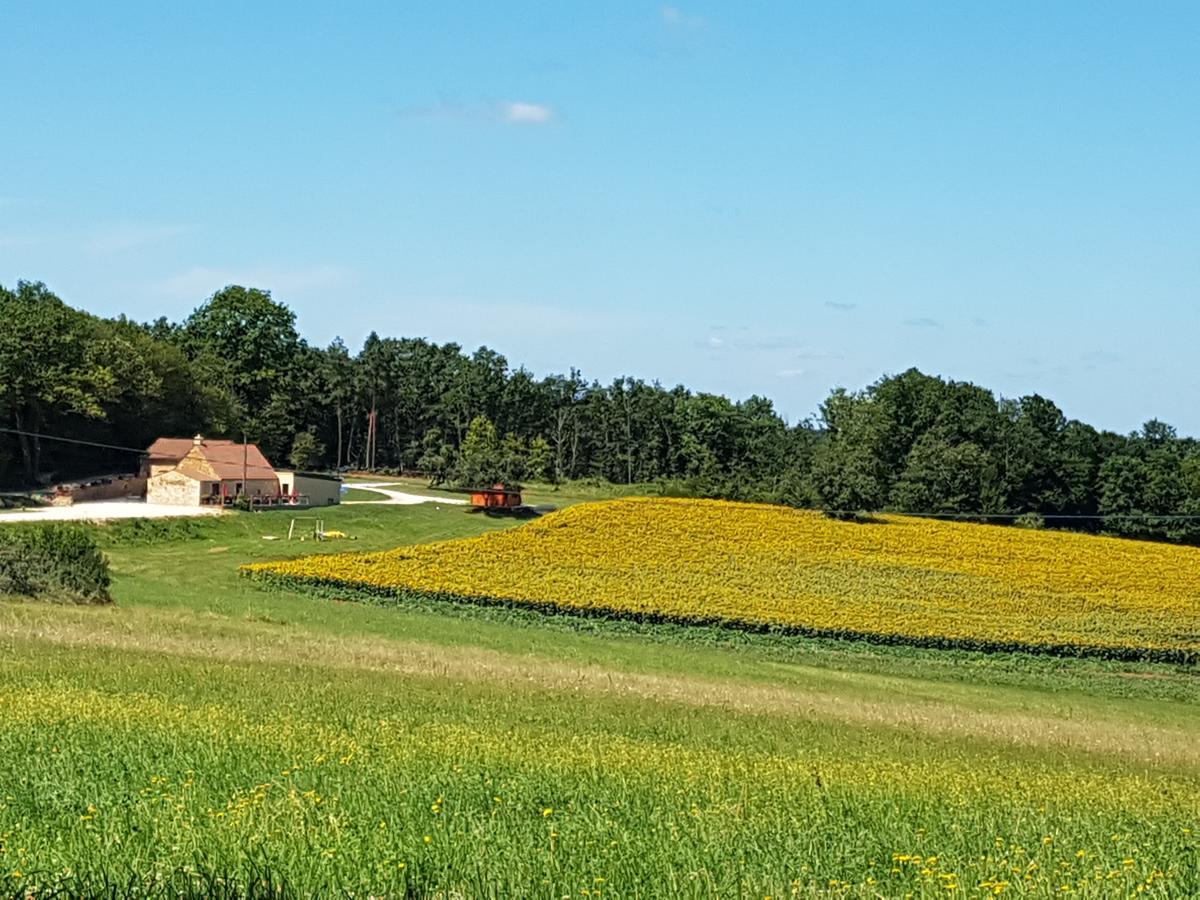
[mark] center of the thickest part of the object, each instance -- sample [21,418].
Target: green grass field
[355,495]
[203,735]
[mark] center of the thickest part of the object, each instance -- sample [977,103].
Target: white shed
[312,488]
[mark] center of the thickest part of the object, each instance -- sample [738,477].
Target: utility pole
[245,454]
[372,434]
[374,439]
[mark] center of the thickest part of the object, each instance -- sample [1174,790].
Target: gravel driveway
[104,510]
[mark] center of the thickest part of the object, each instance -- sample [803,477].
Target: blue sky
[769,198]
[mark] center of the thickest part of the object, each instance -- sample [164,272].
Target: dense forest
[237,366]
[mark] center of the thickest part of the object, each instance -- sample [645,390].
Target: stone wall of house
[112,487]
[173,489]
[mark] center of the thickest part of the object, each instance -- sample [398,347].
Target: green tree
[51,365]
[480,458]
[541,460]
[514,460]
[942,478]
[849,467]
[339,382]
[307,451]
[436,458]
[1121,502]
[247,343]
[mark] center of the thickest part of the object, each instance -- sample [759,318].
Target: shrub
[1030,520]
[151,531]
[53,561]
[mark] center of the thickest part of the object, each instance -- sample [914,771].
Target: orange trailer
[497,497]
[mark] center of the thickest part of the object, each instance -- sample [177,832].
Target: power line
[63,440]
[50,437]
[1072,516]
[1097,517]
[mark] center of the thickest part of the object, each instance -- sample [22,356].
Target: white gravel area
[397,498]
[103,510]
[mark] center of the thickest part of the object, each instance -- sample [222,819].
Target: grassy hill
[203,735]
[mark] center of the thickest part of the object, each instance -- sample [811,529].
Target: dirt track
[397,498]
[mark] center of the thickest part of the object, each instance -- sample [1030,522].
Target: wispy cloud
[514,112]
[527,113]
[442,318]
[674,17]
[923,322]
[819,354]
[720,339]
[779,342]
[791,373]
[201,281]
[100,240]
[840,307]
[109,239]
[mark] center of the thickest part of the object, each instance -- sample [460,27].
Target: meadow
[204,736]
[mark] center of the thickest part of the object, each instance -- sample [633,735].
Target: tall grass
[205,738]
[145,770]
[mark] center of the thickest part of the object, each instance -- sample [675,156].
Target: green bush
[151,531]
[54,561]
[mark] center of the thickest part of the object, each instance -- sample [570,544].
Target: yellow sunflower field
[895,579]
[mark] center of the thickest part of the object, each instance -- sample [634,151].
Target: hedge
[58,562]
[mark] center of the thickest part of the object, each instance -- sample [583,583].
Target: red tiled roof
[177,448]
[219,460]
[227,462]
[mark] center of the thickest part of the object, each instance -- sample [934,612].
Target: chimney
[197,441]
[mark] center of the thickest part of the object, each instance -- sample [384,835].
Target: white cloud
[202,281]
[519,112]
[111,239]
[527,113]
[791,373]
[496,322]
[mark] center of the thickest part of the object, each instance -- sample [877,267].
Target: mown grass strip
[337,589]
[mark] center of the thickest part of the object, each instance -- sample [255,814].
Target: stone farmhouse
[199,471]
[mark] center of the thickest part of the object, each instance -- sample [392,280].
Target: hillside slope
[899,579]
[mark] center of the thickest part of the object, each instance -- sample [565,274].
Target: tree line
[237,366]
